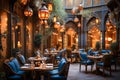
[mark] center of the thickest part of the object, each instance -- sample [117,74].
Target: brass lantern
[43,12]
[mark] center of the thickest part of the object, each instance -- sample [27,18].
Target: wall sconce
[19,44]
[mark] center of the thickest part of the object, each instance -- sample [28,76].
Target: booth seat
[12,70]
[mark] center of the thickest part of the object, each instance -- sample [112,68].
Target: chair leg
[79,67]
[115,67]
[110,71]
[91,68]
[86,68]
[103,71]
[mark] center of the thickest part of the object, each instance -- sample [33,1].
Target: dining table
[96,58]
[37,70]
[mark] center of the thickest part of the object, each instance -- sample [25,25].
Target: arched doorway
[71,35]
[110,34]
[94,34]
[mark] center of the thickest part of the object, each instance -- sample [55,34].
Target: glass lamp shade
[43,12]
[50,7]
[28,11]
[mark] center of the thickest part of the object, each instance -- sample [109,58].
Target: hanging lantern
[76,19]
[80,7]
[43,12]
[50,7]
[28,11]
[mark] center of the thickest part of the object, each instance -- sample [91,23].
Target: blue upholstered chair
[60,54]
[85,61]
[21,59]
[105,63]
[60,66]
[13,71]
[62,74]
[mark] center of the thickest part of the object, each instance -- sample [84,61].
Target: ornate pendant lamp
[28,11]
[43,12]
[24,2]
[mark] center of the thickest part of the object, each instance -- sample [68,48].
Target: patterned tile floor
[74,73]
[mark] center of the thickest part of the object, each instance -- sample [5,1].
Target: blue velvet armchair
[85,61]
[61,72]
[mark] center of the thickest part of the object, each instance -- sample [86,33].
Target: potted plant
[37,40]
[37,44]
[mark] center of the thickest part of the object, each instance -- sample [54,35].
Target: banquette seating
[12,70]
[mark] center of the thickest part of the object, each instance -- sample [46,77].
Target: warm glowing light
[79,25]
[28,11]
[19,44]
[24,2]
[50,7]
[109,39]
[43,12]
[76,19]
[80,7]
[97,20]
[57,25]
[54,19]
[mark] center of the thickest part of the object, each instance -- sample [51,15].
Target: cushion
[17,65]
[15,77]
[57,77]
[12,65]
